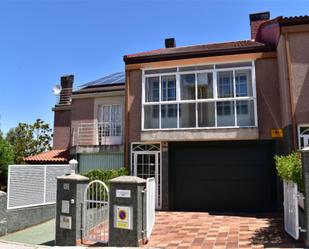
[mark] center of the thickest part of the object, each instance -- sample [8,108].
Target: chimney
[256,20]
[66,92]
[170,43]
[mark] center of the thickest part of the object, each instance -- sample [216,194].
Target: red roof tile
[50,156]
[212,49]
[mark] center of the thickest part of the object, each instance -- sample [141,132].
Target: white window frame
[214,100]
[299,135]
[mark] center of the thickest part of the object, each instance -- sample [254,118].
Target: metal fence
[150,205]
[33,185]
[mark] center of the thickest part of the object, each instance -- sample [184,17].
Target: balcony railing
[105,133]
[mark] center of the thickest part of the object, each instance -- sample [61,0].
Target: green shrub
[105,174]
[290,168]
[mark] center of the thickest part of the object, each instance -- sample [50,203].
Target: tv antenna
[57,89]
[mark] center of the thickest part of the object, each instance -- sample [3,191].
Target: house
[206,120]
[88,124]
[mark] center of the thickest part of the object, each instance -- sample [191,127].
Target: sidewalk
[15,245]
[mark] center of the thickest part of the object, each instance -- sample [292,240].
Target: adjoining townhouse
[88,124]
[206,120]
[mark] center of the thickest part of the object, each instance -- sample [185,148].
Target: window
[202,96]
[168,88]
[152,89]
[303,136]
[204,86]
[225,84]
[109,121]
[187,86]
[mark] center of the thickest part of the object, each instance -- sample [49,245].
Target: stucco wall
[299,53]
[82,112]
[268,98]
[283,84]
[62,129]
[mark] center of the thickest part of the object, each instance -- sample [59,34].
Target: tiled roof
[294,20]
[202,50]
[50,156]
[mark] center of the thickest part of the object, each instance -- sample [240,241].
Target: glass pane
[243,83]
[225,84]
[237,64]
[187,115]
[168,88]
[164,70]
[196,68]
[204,86]
[151,116]
[245,112]
[187,86]
[225,113]
[152,89]
[168,116]
[206,114]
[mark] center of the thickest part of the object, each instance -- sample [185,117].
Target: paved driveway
[204,230]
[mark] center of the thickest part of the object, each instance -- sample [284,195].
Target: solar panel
[115,78]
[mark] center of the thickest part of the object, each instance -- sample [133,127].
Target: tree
[6,158]
[29,139]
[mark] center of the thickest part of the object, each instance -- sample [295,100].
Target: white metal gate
[96,212]
[291,222]
[150,205]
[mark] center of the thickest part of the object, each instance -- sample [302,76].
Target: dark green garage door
[224,177]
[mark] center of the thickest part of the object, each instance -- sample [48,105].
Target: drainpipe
[288,56]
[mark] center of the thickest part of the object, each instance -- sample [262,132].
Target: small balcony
[97,134]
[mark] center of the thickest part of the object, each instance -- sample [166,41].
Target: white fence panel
[150,205]
[291,222]
[33,185]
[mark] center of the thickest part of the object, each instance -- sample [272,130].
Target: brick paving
[211,231]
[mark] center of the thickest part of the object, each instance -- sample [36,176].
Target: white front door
[146,165]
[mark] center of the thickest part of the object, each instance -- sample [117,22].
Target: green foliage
[290,168]
[29,139]
[105,175]
[6,158]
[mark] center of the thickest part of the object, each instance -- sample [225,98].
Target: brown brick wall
[62,128]
[134,105]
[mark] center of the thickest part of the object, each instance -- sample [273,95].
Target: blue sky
[42,40]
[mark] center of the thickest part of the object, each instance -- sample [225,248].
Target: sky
[40,40]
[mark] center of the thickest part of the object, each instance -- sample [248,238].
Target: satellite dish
[57,89]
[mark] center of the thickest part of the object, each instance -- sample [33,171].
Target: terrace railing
[97,133]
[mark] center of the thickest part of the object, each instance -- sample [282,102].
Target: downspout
[288,56]
[126,143]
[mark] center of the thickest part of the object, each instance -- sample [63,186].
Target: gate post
[305,165]
[70,192]
[126,211]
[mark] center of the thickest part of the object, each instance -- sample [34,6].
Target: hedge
[105,174]
[289,168]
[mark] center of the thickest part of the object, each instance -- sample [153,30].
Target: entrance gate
[96,212]
[291,223]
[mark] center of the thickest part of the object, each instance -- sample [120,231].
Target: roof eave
[195,54]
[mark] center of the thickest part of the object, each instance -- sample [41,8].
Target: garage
[236,176]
